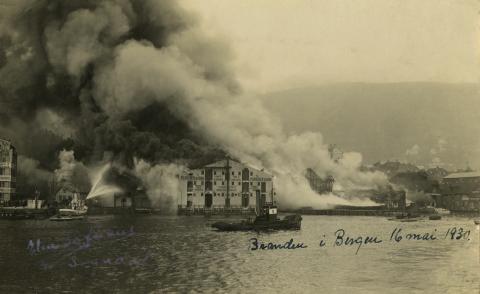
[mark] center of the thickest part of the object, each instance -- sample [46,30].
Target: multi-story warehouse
[225,184]
[460,192]
[8,171]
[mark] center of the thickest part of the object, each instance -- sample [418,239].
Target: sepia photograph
[240,146]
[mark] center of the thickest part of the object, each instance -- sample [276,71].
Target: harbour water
[161,254]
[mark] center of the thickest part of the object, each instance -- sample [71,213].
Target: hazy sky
[281,44]
[306,44]
[428,124]
[285,44]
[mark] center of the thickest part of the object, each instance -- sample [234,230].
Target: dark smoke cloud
[137,83]
[54,57]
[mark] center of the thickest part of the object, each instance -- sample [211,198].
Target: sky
[281,44]
[428,124]
[304,55]
[290,52]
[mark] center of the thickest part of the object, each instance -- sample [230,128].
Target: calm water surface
[183,254]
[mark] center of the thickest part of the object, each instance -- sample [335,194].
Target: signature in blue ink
[124,260]
[78,243]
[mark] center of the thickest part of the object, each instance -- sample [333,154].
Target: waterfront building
[459,192]
[8,171]
[318,184]
[323,185]
[391,199]
[225,184]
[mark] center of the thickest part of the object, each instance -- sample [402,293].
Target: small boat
[407,217]
[435,217]
[60,218]
[441,211]
[72,212]
[412,219]
[267,220]
[76,207]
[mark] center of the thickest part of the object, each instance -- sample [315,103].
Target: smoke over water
[137,83]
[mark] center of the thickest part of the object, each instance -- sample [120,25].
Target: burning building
[225,184]
[142,92]
[323,185]
[8,171]
[459,192]
[318,184]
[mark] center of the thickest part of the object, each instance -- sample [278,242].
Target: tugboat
[266,219]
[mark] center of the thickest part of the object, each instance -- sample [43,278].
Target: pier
[349,212]
[215,211]
[24,213]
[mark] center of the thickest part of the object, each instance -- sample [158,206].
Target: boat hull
[292,222]
[72,212]
[59,218]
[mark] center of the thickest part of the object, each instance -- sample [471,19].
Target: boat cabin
[268,212]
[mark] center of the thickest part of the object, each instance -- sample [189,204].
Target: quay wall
[215,211]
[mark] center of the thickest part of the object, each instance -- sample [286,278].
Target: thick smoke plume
[161,183]
[71,172]
[137,79]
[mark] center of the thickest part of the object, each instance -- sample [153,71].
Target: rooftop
[235,164]
[463,175]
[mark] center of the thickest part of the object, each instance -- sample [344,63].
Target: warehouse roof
[463,175]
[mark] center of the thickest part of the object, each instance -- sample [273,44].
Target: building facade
[8,171]
[459,192]
[225,184]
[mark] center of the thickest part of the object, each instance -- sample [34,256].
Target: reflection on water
[183,254]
